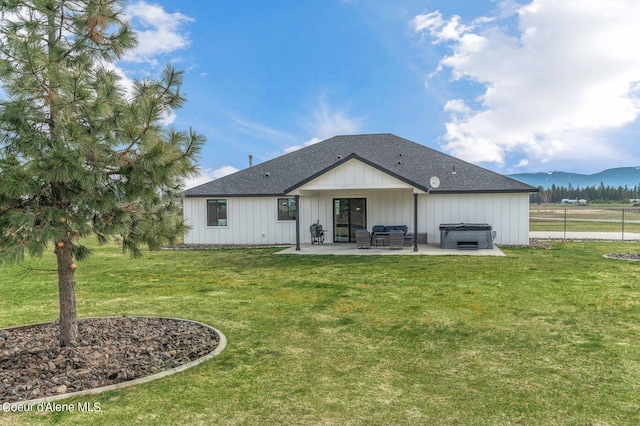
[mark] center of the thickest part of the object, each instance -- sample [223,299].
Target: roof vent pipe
[250,160]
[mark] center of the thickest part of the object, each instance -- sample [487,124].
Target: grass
[584,218]
[582,226]
[537,337]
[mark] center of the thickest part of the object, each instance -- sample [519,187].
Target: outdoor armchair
[396,240]
[363,238]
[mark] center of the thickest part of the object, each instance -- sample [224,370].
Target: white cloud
[207,175]
[167,118]
[457,106]
[570,75]
[438,28]
[326,123]
[223,171]
[310,142]
[257,130]
[158,32]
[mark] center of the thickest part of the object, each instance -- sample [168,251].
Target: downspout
[415,221]
[297,197]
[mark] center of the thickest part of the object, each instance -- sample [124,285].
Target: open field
[536,337]
[581,225]
[584,218]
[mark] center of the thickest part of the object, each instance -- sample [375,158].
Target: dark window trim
[219,221]
[287,214]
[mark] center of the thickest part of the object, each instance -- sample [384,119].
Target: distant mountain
[621,176]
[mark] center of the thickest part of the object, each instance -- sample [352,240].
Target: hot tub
[466,236]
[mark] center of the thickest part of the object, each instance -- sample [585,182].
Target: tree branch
[27,270]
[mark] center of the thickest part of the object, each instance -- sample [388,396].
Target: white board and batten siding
[388,199]
[390,202]
[383,207]
[250,220]
[354,174]
[508,214]
[254,220]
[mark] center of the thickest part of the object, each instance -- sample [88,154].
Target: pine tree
[80,156]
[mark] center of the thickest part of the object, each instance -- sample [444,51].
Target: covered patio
[347,249]
[354,182]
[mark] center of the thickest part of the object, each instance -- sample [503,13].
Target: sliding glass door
[349,214]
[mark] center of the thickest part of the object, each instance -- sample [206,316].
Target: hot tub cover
[465,227]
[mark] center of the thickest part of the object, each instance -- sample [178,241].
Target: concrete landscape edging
[222,343]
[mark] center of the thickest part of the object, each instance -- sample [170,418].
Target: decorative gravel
[624,256]
[109,351]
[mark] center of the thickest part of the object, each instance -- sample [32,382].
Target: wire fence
[615,221]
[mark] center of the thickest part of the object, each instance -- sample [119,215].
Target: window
[216,212]
[286,209]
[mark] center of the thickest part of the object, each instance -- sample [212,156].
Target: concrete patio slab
[423,250]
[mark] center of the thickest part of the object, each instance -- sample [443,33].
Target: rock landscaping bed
[109,351]
[540,244]
[623,256]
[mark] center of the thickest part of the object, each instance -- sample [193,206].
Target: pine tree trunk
[67,294]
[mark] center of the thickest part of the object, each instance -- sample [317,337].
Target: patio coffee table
[381,239]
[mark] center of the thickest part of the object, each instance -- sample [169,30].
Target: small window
[286,209]
[216,212]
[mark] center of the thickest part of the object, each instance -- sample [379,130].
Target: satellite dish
[434,182]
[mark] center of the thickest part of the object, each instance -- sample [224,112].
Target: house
[354,182]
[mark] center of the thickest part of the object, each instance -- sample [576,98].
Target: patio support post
[297,197]
[415,221]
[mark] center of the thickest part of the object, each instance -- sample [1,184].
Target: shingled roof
[408,161]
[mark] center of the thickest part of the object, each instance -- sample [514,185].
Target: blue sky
[525,86]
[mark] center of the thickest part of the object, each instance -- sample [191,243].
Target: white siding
[354,174]
[254,220]
[384,207]
[251,220]
[389,200]
[508,214]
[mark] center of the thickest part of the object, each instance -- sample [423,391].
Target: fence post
[565,224]
[622,224]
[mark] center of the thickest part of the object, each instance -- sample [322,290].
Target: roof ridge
[410,161]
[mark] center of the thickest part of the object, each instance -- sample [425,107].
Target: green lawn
[584,218]
[537,337]
[582,226]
